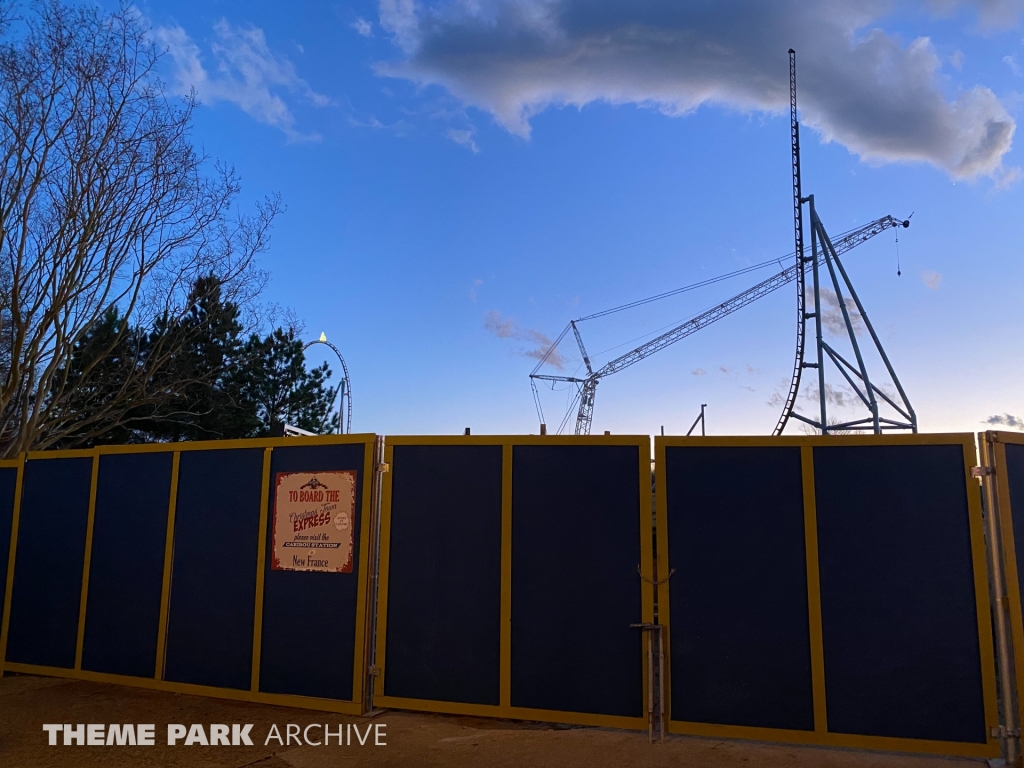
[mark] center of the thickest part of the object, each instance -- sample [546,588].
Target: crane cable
[648,300]
[684,289]
[675,292]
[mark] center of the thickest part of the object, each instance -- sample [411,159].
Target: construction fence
[836,590]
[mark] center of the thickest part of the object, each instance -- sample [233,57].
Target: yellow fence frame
[504,708]
[356,706]
[821,735]
[651,574]
[993,452]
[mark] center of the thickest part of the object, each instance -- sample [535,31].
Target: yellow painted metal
[664,569]
[642,440]
[360,661]
[504,708]
[261,559]
[233,694]
[513,713]
[813,738]
[12,552]
[383,562]
[998,443]
[648,575]
[355,706]
[505,613]
[819,736]
[204,445]
[813,591]
[87,561]
[935,438]
[77,453]
[372,518]
[981,596]
[165,589]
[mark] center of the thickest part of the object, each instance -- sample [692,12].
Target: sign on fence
[313,521]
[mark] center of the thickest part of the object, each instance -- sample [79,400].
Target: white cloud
[400,127]
[931,279]
[879,96]
[832,314]
[540,344]
[1011,62]
[399,17]
[372,122]
[839,396]
[1007,178]
[245,72]
[463,137]
[957,59]
[363,27]
[698,372]
[472,290]
[1006,420]
[992,14]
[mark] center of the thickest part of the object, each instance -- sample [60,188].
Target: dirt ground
[26,702]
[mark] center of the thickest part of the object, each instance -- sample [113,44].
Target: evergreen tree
[273,384]
[206,382]
[208,347]
[97,375]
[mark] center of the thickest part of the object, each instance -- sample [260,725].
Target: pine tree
[200,405]
[273,384]
[98,377]
[205,382]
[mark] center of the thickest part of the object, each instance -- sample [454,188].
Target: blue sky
[463,177]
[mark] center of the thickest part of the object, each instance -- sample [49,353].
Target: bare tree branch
[104,202]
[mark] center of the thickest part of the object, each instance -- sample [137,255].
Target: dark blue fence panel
[575,586]
[8,483]
[899,618]
[126,567]
[1015,480]
[298,603]
[213,583]
[444,576]
[48,565]
[739,632]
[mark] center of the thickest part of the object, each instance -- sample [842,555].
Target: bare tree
[104,202]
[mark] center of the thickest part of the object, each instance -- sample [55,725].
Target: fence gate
[1003,472]
[813,590]
[510,573]
[827,591]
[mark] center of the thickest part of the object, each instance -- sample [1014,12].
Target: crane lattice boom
[588,385]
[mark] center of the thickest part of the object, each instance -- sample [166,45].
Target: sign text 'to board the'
[314,520]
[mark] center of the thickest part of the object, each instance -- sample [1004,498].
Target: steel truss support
[823,252]
[844,243]
[856,376]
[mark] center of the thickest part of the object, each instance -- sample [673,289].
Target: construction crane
[587,386]
[824,252]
